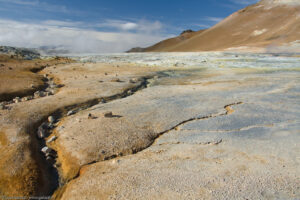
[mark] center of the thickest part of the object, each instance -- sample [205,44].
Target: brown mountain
[259,27]
[165,45]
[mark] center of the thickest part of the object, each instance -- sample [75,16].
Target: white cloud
[139,26]
[73,37]
[34,5]
[208,22]
[129,26]
[214,19]
[244,2]
[21,2]
[205,26]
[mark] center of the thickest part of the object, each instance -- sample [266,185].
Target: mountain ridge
[264,26]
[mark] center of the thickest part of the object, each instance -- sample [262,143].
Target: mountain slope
[265,25]
[167,44]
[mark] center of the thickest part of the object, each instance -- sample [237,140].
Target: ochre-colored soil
[18,77]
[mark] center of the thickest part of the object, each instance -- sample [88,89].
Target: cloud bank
[79,37]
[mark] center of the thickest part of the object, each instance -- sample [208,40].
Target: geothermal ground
[151,126]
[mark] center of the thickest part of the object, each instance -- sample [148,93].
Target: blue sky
[106,25]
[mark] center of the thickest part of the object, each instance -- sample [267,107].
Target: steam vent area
[150,100]
[151,126]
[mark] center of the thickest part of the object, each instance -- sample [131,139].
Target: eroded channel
[45,129]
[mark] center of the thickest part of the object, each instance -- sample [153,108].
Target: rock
[51,119]
[133,80]
[45,125]
[17,100]
[46,150]
[90,116]
[32,86]
[129,92]
[2,107]
[50,126]
[52,85]
[56,165]
[71,112]
[187,31]
[38,94]
[108,114]
[41,133]
[50,91]
[52,154]
[50,160]
[45,75]
[24,99]
[115,80]
[48,94]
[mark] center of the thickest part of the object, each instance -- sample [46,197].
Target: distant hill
[23,53]
[264,26]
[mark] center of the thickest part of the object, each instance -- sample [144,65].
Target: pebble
[32,86]
[56,165]
[51,139]
[71,112]
[46,150]
[102,101]
[51,119]
[50,160]
[108,114]
[177,128]
[115,80]
[133,80]
[17,100]
[25,99]
[52,85]
[41,133]
[116,161]
[90,116]
[2,107]
[49,93]
[38,94]
[52,154]
[129,92]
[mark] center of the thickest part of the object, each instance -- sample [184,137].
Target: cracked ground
[160,133]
